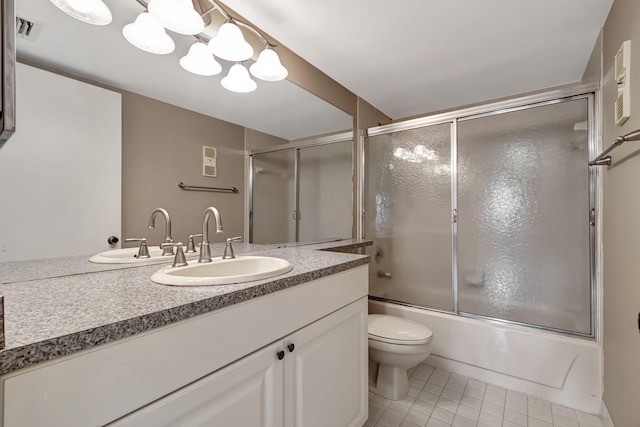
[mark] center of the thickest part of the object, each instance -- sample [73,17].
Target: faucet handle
[179,260]
[191,244]
[228,249]
[143,251]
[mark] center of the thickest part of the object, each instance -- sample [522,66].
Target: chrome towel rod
[184,186]
[603,159]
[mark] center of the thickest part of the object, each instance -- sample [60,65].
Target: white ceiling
[406,58]
[417,56]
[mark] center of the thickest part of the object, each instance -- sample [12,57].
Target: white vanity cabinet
[314,377]
[217,369]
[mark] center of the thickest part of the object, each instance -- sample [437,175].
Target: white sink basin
[223,271]
[129,256]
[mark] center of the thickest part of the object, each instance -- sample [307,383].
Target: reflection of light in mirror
[419,153]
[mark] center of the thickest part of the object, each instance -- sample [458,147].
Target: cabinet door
[326,373]
[246,393]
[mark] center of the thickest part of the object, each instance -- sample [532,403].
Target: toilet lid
[396,330]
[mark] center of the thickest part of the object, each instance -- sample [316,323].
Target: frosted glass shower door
[408,215]
[523,216]
[273,198]
[326,192]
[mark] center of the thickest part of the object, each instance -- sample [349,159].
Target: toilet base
[391,383]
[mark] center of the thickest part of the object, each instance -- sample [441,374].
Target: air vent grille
[27,29]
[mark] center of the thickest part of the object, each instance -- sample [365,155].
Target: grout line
[495,395]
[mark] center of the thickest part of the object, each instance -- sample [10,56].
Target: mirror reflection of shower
[303,194]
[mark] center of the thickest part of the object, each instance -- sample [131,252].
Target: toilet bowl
[395,345]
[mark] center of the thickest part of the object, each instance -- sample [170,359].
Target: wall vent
[209,164]
[27,29]
[622,106]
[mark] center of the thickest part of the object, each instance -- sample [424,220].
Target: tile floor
[437,398]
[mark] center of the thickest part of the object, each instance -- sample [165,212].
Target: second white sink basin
[223,271]
[130,256]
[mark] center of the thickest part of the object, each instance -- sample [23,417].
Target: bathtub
[563,370]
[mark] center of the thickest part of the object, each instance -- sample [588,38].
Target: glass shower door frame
[593,210]
[251,188]
[589,92]
[295,147]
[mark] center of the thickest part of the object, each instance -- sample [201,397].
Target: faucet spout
[205,249]
[168,250]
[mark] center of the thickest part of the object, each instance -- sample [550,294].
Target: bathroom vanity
[112,348]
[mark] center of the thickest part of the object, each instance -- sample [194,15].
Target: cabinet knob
[291,347]
[280,355]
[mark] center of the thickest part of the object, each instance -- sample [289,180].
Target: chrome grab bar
[184,186]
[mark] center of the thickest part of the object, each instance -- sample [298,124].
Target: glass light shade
[147,34]
[177,15]
[238,80]
[268,67]
[200,61]
[90,11]
[229,44]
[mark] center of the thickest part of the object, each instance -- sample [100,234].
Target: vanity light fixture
[180,16]
[238,80]
[268,66]
[93,12]
[147,34]
[229,44]
[200,61]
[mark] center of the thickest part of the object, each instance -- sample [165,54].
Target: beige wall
[254,140]
[593,70]
[622,228]
[162,145]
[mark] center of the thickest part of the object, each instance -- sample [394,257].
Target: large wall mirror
[106,131]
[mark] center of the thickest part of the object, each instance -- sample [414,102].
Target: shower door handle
[592,217]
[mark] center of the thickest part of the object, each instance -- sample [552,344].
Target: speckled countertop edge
[23,354]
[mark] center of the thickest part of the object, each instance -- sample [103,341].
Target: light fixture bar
[225,14]
[240,23]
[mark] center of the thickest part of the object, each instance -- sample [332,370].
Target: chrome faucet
[205,249]
[167,250]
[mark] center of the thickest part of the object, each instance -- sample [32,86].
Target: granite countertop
[47,318]
[21,271]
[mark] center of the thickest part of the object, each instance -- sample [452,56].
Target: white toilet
[395,345]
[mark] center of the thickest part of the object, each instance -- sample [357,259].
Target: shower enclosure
[488,215]
[302,194]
